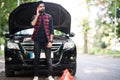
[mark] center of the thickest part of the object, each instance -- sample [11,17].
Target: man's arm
[35,17]
[34,20]
[51,29]
[49,45]
[51,37]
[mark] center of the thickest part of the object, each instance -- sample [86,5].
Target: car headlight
[12,45]
[68,45]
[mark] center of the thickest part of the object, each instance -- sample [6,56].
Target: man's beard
[41,11]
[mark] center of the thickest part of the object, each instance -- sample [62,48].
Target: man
[42,37]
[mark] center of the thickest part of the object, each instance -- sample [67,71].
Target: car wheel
[73,70]
[8,72]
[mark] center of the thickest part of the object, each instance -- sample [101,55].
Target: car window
[59,33]
[26,31]
[30,32]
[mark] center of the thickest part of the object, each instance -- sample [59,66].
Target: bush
[104,51]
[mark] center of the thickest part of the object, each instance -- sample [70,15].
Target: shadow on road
[23,76]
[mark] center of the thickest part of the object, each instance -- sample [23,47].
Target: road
[89,67]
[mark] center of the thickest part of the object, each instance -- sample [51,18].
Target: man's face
[41,7]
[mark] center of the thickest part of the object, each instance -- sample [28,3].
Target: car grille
[56,47]
[30,46]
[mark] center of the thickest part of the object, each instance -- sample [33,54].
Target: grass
[105,51]
[1,52]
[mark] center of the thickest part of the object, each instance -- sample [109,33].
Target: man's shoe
[50,78]
[35,78]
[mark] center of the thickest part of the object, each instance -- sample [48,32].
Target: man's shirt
[41,34]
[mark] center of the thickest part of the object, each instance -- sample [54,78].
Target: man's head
[41,6]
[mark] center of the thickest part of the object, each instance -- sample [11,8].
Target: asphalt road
[89,67]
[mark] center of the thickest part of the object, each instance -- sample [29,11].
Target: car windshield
[30,32]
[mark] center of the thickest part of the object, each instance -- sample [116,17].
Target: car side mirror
[72,34]
[7,35]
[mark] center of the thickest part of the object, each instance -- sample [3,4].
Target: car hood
[21,17]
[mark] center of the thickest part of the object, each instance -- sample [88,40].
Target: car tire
[8,72]
[73,70]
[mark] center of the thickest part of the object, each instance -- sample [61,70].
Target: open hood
[20,18]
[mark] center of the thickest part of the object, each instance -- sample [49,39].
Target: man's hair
[40,2]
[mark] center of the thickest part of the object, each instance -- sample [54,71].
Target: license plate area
[42,55]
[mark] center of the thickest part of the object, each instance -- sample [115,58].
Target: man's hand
[37,11]
[49,45]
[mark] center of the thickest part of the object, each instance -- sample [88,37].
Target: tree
[86,28]
[112,14]
[6,6]
[103,26]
